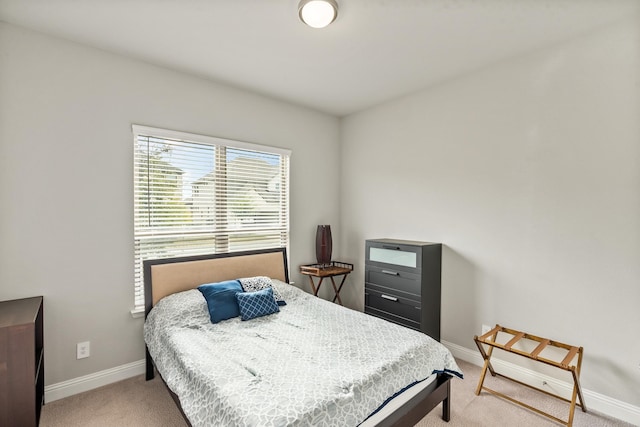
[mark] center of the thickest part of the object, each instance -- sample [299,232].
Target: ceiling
[375,51]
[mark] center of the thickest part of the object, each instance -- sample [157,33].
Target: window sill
[137,313]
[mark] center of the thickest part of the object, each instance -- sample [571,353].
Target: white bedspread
[313,363]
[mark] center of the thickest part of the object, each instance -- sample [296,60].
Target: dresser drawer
[392,318]
[393,304]
[395,256]
[391,292]
[393,279]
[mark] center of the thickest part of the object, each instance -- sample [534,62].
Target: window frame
[221,145]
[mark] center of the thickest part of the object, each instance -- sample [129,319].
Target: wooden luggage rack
[489,339]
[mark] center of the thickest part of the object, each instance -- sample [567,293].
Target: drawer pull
[391,273]
[388,297]
[395,248]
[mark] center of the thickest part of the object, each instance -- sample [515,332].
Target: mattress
[312,363]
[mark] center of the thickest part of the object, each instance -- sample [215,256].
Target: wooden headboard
[167,276]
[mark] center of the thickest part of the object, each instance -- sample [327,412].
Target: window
[196,195]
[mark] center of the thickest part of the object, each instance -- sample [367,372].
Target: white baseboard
[89,382]
[593,401]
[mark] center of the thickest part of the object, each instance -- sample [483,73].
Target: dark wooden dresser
[402,283]
[21,362]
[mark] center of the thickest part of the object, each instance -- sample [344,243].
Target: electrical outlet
[485,329]
[83,349]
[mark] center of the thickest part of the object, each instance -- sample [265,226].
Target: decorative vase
[323,244]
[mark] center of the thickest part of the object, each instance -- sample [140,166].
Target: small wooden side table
[330,270]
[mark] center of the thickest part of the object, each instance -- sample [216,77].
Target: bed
[311,363]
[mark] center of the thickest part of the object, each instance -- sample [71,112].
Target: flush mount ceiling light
[318,13]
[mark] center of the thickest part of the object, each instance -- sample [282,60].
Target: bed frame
[164,277]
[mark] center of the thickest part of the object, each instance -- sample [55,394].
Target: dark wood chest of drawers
[402,283]
[21,362]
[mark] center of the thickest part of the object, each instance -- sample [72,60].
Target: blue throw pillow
[252,284]
[221,299]
[256,304]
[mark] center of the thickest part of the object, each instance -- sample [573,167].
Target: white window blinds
[197,195]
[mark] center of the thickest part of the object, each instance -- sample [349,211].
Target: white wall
[66,212]
[529,172]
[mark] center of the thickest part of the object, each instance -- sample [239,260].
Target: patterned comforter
[313,363]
